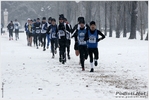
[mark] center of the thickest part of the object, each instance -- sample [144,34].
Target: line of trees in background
[119,16]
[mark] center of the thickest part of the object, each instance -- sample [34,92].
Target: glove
[98,40]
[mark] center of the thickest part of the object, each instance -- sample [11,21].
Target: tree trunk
[128,18]
[88,11]
[141,19]
[146,37]
[105,18]
[147,33]
[118,21]
[76,15]
[141,31]
[68,10]
[110,34]
[99,16]
[58,8]
[134,20]
[124,34]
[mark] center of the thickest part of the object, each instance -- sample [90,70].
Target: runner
[46,27]
[43,33]
[92,37]
[16,27]
[37,27]
[66,27]
[34,32]
[62,43]
[82,45]
[26,29]
[74,31]
[30,32]
[68,37]
[1,28]
[10,28]
[52,30]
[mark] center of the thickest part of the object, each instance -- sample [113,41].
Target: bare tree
[88,11]
[147,33]
[68,10]
[105,18]
[110,34]
[57,8]
[128,16]
[118,20]
[141,19]
[106,14]
[134,19]
[124,34]
[99,16]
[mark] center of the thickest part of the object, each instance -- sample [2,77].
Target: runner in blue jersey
[52,31]
[92,39]
[82,45]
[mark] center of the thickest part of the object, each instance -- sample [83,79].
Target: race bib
[11,27]
[37,31]
[92,39]
[53,35]
[43,31]
[82,41]
[62,34]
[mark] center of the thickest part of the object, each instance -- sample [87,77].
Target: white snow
[30,73]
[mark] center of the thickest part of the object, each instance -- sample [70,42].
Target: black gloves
[98,40]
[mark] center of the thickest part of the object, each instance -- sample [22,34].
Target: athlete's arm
[99,33]
[48,30]
[86,35]
[74,28]
[74,34]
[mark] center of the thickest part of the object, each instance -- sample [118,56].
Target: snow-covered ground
[30,73]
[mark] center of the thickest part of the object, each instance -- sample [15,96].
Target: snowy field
[30,73]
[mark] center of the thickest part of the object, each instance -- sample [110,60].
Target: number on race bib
[43,31]
[92,39]
[11,27]
[53,35]
[62,34]
[37,31]
[82,41]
